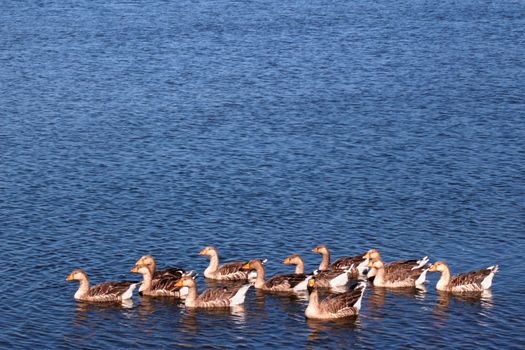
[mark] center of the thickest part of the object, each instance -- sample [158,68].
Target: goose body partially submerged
[324,279]
[394,276]
[158,287]
[334,306]
[279,283]
[231,271]
[356,265]
[476,281]
[169,272]
[394,267]
[104,292]
[212,298]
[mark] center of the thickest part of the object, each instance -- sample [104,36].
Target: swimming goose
[212,298]
[345,304]
[356,264]
[398,276]
[170,272]
[476,281]
[227,272]
[157,287]
[279,283]
[374,254]
[108,291]
[323,279]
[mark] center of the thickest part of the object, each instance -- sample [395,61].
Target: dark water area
[264,128]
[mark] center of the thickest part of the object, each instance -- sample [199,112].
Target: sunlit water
[264,128]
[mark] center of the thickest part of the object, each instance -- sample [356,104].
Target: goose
[374,254]
[476,281]
[398,276]
[356,264]
[104,292]
[227,272]
[279,283]
[334,306]
[323,279]
[157,287]
[212,298]
[169,272]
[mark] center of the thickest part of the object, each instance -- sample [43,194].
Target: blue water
[264,128]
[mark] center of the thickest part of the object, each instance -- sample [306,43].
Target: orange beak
[69,277]
[370,264]
[367,255]
[246,266]
[204,251]
[311,283]
[180,283]
[135,269]
[315,250]
[286,261]
[432,268]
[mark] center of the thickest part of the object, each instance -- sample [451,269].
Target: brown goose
[345,304]
[476,281]
[374,254]
[323,279]
[395,276]
[108,291]
[158,287]
[355,264]
[279,283]
[170,272]
[227,272]
[212,298]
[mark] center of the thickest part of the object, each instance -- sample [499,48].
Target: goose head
[321,249]
[210,250]
[438,266]
[77,274]
[372,254]
[294,259]
[185,281]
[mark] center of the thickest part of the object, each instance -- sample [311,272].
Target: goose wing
[397,273]
[110,290]
[408,264]
[233,270]
[166,285]
[347,262]
[474,277]
[328,274]
[169,272]
[218,297]
[287,281]
[342,303]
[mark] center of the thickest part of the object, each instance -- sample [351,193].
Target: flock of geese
[177,283]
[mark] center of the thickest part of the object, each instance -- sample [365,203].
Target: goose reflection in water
[85,309]
[376,300]
[320,329]
[445,300]
[483,299]
[190,318]
[150,305]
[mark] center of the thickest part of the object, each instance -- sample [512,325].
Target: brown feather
[108,291]
[341,303]
[394,275]
[469,281]
[285,282]
[219,297]
[232,271]
[170,272]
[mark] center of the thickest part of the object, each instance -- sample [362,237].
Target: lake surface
[264,128]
